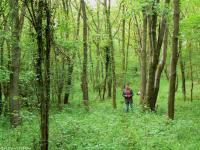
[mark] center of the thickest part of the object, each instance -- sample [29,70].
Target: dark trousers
[128,103]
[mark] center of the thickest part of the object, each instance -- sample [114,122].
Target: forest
[99,74]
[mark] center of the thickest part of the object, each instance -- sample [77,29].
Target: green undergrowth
[104,128]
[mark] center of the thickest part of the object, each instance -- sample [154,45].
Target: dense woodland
[64,64]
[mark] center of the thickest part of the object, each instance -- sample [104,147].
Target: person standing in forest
[128,97]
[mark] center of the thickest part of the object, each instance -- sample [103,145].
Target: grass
[102,128]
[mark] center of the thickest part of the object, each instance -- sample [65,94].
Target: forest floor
[102,128]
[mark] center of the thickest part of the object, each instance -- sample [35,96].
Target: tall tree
[182,67]
[156,41]
[84,78]
[38,11]
[143,60]
[174,58]
[112,55]
[123,41]
[16,27]
[45,102]
[191,73]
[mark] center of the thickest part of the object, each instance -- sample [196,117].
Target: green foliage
[26,77]
[104,128]
[190,26]
[4,74]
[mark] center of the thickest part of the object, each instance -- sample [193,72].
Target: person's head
[127,86]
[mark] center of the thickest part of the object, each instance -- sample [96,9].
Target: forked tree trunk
[155,46]
[173,62]
[161,66]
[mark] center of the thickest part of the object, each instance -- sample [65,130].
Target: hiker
[128,96]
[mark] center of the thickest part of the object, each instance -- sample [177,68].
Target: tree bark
[123,44]
[107,67]
[46,100]
[182,67]
[109,28]
[85,53]
[191,74]
[69,81]
[161,66]
[155,46]
[16,27]
[173,62]
[143,61]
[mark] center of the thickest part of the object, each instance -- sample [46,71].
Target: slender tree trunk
[191,74]
[109,28]
[166,73]
[71,63]
[176,87]
[128,45]
[85,52]
[174,57]
[1,65]
[69,82]
[123,44]
[59,80]
[143,61]
[97,43]
[107,67]
[109,83]
[182,67]
[46,100]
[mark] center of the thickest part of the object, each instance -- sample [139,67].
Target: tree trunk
[107,67]
[191,74]
[155,46]
[143,61]
[71,63]
[46,100]
[69,82]
[173,62]
[1,65]
[182,67]
[16,27]
[123,44]
[128,45]
[85,53]
[109,28]
[161,66]
[97,43]
[109,83]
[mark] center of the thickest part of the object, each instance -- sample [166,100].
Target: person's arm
[132,94]
[124,94]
